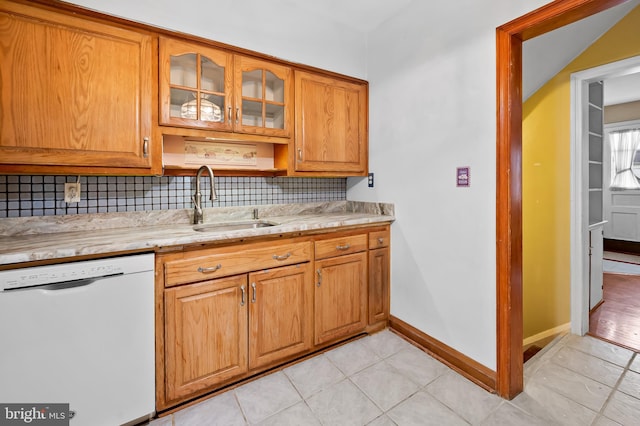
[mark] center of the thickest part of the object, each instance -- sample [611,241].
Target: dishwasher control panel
[63,272]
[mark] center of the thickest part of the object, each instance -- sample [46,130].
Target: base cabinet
[341,287]
[220,329]
[280,314]
[224,314]
[379,285]
[206,334]
[340,297]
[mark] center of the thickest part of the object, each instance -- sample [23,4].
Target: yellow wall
[546,180]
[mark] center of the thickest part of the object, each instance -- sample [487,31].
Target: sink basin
[233,226]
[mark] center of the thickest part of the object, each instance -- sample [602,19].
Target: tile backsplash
[22,196]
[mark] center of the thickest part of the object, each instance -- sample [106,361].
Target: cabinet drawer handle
[253,290]
[283,257]
[244,294]
[344,247]
[380,240]
[319,272]
[145,147]
[210,269]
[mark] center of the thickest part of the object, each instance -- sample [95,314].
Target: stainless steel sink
[233,226]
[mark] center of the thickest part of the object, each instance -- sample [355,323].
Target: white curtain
[623,149]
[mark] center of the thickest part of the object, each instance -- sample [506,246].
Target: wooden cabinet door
[280,312]
[196,83]
[340,296]
[331,125]
[263,95]
[206,334]
[74,92]
[379,279]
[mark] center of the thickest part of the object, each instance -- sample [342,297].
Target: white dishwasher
[80,333]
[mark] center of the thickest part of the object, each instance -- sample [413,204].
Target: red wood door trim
[509,38]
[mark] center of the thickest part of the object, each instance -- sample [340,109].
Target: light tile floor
[383,380]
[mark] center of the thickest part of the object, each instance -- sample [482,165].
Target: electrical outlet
[72,192]
[370,181]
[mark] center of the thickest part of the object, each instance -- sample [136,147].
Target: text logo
[35,414]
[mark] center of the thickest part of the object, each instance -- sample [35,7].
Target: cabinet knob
[380,240]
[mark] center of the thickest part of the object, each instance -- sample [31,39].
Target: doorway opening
[509,39]
[579,189]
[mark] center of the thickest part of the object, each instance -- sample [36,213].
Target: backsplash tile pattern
[23,196]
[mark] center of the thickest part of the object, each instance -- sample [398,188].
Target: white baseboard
[547,333]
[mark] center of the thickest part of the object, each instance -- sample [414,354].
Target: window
[625,159]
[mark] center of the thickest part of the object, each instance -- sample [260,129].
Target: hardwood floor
[617,320]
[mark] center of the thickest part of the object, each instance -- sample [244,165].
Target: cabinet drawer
[237,261]
[342,245]
[379,239]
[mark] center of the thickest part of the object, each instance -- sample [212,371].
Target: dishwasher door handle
[64,285]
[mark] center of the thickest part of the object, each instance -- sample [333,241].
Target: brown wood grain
[206,328]
[74,92]
[284,295]
[330,125]
[233,261]
[466,366]
[509,38]
[281,315]
[379,284]
[346,244]
[340,296]
[285,73]
[617,318]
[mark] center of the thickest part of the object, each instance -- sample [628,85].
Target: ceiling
[362,15]
[621,90]
[544,56]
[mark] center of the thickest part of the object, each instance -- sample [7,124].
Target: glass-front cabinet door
[263,97]
[213,89]
[195,86]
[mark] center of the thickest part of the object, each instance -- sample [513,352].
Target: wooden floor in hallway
[617,319]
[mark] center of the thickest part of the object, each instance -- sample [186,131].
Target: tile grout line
[600,413]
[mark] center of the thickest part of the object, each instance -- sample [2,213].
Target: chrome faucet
[197,198]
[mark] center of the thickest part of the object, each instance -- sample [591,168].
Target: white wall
[279,28]
[432,109]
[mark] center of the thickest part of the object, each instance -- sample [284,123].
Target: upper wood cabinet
[212,89]
[76,94]
[331,125]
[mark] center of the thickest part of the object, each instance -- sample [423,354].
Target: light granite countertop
[65,237]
